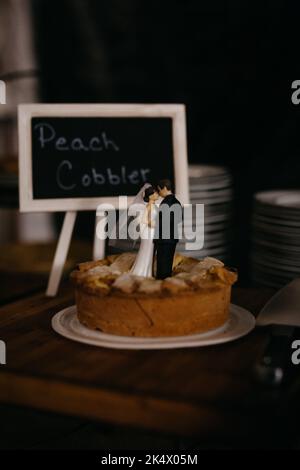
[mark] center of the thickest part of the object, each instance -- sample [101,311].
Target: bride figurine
[143,265]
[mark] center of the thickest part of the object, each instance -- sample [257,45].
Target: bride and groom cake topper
[158,226]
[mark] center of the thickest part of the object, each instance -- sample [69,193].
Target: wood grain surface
[197,391]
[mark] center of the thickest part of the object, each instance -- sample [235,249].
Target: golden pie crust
[194,300]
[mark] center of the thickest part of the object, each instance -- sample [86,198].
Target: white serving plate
[66,323]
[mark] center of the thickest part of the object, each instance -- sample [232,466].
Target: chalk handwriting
[67,179]
[47,136]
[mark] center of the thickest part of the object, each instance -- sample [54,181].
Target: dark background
[231,62]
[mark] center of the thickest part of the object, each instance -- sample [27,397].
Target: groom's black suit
[167,225]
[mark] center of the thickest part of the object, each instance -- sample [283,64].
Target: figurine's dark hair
[165,184]
[148,192]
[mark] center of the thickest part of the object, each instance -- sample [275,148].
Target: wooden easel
[63,248]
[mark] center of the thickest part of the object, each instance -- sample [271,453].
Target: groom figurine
[166,230]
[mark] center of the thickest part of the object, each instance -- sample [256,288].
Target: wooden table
[19,285]
[204,392]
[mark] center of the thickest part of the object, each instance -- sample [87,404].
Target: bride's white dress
[143,265]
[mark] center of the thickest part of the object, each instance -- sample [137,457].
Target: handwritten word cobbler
[67,179]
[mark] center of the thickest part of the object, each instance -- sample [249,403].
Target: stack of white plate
[211,186]
[275,256]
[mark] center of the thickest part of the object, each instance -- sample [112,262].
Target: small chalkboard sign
[73,157]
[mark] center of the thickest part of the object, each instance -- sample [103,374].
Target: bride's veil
[139,198]
[137,205]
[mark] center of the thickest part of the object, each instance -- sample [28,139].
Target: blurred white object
[17,63]
[35,227]
[16,51]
